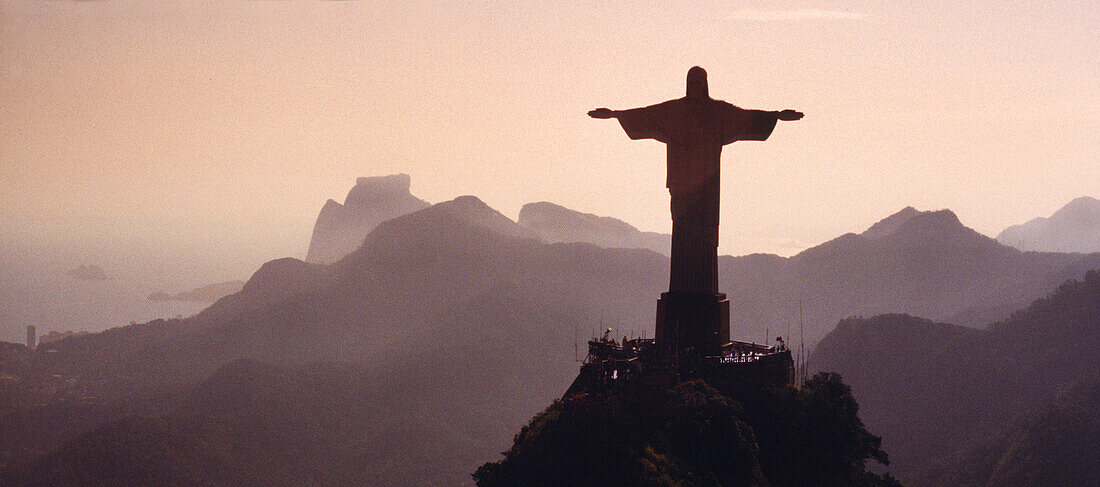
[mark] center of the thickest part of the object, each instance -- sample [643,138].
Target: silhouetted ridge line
[890,224]
[555,223]
[1073,228]
[932,389]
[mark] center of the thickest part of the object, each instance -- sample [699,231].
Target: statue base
[697,324]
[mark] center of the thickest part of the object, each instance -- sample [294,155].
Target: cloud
[797,14]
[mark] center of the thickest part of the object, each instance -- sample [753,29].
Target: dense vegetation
[932,389]
[1054,445]
[694,435]
[255,424]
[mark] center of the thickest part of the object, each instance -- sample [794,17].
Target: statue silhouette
[694,129]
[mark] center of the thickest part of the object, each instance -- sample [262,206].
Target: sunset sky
[219,129]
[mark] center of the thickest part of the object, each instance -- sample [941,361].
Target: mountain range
[937,392]
[924,263]
[455,324]
[340,229]
[465,322]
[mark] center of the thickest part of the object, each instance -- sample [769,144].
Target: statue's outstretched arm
[603,113]
[790,115]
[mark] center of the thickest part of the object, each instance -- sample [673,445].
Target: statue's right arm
[603,113]
[789,115]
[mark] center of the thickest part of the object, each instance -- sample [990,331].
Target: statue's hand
[602,113]
[790,115]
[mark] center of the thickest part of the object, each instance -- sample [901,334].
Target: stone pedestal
[693,323]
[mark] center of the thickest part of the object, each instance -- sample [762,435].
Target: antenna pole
[801,344]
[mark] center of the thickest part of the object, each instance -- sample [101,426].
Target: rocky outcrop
[555,223]
[340,228]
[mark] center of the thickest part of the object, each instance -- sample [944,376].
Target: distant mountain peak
[942,226]
[1083,209]
[341,228]
[331,205]
[1073,228]
[368,190]
[945,219]
[890,224]
[399,181]
[913,221]
[465,203]
[464,232]
[545,212]
[904,230]
[556,223]
[470,209]
[1084,200]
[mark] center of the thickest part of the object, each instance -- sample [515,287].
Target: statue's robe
[694,131]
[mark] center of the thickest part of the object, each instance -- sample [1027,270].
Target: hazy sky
[219,129]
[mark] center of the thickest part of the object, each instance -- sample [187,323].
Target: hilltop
[694,435]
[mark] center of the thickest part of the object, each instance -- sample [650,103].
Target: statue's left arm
[789,115]
[603,113]
[754,124]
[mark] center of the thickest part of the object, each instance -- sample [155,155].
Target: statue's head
[697,83]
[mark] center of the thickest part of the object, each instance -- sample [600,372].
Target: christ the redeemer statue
[694,129]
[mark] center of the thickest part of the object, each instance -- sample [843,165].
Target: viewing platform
[611,364]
